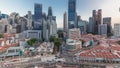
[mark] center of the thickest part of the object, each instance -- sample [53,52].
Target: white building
[53,28]
[31,34]
[74,34]
[14,18]
[45,30]
[45,47]
[3,25]
[117,29]
[73,44]
[102,29]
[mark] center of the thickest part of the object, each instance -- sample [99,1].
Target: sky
[110,8]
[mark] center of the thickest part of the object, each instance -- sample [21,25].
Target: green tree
[1,35]
[52,38]
[57,44]
[32,41]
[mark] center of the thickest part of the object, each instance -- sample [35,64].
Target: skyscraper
[90,24]
[97,19]
[102,29]
[78,19]
[38,11]
[65,21]
[117,29]
[72,14]
[82,25]
[107,20]
[44,27]
[0,15]
[50,11]
[29,20]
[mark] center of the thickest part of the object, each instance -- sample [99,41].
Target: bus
[12,51]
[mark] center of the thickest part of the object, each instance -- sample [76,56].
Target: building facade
[117,29]
[74,34]
[90,25]
[50,11]
[102,29]
[65,21]
[31,34]
[82,25]
[38,11]
[107,20]
[29,20]
[97,20]
[72,14]
[73,44]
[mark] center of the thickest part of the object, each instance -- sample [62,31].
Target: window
[11,51]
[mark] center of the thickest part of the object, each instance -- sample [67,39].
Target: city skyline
[110,8]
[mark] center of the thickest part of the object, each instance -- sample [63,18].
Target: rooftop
[104,51]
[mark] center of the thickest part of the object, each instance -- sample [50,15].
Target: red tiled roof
[102,52]
[9,35]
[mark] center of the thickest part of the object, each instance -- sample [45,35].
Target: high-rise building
[0,15]
[29,20]
[82,25]
[50,15]
[117,29]
[45,30]
[90,25]
[37,11]
[54,18]
[3,23]
[102,29]
[65,22]
[107,20]
[52,28]
[72,14]
[37,17]
[22,24]
[50,11]
[78,19]
[14,18]
[97,20]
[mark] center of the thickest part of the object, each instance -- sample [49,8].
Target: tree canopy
[1,35]
[52,38]
[32,41]
[57,43]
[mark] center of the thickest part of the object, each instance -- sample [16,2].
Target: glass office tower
[37,11]
[71,14]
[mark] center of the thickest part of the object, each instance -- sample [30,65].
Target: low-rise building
[73,44]
[31,34]
[103,53]
[9,40]
[46,48]
[74,34]
[87,40]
